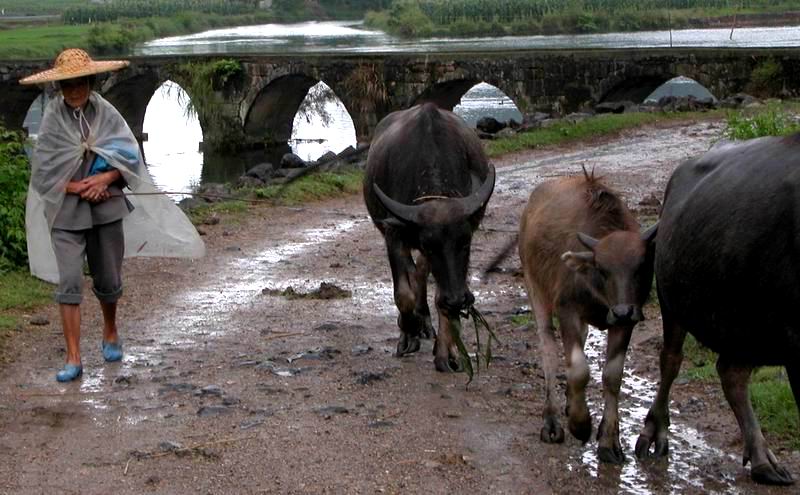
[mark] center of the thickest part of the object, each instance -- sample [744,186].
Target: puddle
[689,454]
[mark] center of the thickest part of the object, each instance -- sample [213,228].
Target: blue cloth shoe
[112,351]
[69,373]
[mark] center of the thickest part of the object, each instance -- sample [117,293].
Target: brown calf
[585,263]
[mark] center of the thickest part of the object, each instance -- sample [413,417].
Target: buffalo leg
[793,370]
[764,466]
[608,448]
[552,432]
[445,351]
[421,285]
[573,335]
[656,424]
[403,271]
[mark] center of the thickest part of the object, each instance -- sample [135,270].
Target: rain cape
[156,226]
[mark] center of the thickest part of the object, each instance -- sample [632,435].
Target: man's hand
[95,187]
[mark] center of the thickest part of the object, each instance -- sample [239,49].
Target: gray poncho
[156,227]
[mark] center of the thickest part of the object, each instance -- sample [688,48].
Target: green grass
[601,125]
[19,291]
[775,119]
[313,187]
[41,42]
[232,210]
[699,362]
[774,404]
[521,320]
[40,7]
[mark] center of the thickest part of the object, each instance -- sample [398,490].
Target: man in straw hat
[85,155]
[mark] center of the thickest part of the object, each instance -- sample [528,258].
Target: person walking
[85,154]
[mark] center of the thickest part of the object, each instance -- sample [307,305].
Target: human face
[76,91]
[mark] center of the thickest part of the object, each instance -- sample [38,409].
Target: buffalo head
[618,271]
[443,227]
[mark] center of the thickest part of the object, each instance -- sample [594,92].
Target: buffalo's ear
[578,261]
[393,222]
[649,235]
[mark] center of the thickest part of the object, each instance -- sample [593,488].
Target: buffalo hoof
[582,430]
[643,447]
[768,474]
[611,455]
[552,432]
[447,365]
[407,345]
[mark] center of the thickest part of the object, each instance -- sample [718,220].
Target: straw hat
[72,63]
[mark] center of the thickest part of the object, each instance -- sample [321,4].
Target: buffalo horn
[587,240]
[479,198]
[406,213]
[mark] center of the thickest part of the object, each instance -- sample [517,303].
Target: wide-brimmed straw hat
[72,63]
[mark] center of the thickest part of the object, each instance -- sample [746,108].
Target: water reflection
[346,37]
[172,149]
[486,100]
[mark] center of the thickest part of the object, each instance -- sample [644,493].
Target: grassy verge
[19,292]
[313,187]
[601,125]
[41,41]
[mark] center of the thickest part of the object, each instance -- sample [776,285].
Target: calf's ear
[578,261]
[392,222]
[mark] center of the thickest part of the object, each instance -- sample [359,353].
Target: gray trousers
[103,246]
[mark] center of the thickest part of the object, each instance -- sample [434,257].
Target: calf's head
[444,229]
[618,271]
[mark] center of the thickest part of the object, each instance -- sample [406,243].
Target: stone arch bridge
[257,104]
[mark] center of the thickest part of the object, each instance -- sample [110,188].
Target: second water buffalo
[426,185]
[585,263]
[728,271]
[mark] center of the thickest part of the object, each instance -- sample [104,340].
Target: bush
[407,19]
[14,177]
[766,79]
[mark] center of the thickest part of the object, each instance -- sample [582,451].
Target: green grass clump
[203,214]
[314,187]
[772,120]
[699,361]
[21,291]
[565,132]
[775,407]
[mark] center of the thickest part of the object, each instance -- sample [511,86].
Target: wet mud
[228,386]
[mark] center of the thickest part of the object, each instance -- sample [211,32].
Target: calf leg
[403,270]
[656,424]
[609,448]
[573,335]
[422,310]
[551,432]
[764,466]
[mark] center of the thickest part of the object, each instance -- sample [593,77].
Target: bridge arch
[635,88]
[271,114]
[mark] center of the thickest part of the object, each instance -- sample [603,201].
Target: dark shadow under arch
[635,89]
[271,115]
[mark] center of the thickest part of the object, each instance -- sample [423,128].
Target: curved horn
[406,213]
[479,198]
[587,240]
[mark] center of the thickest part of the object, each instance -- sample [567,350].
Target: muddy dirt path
[230,388]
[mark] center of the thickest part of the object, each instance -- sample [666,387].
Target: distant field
[40,42]
[38,7]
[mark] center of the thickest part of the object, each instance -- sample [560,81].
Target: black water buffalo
[728,271]
[585,263]
[426,185]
